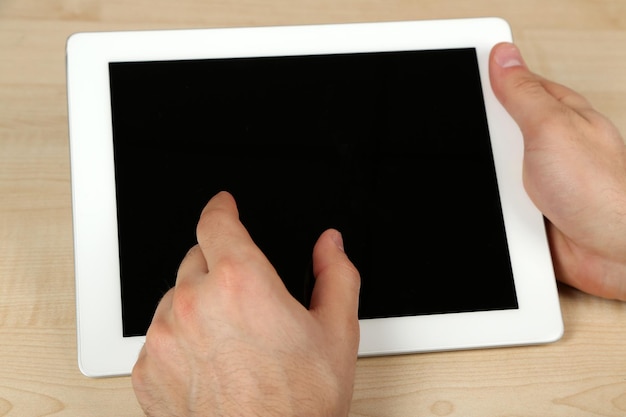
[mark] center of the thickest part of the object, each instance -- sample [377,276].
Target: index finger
[224,240]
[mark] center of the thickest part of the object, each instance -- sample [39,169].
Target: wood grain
[581,43]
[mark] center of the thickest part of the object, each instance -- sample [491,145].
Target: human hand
[229,339]
[574,171]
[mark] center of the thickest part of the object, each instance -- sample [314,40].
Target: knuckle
[139,375]
[229,274]
[159,339]
[185,302]
[557,126]
[528,85]
[606,128]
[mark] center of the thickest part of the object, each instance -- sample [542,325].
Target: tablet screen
[390,148]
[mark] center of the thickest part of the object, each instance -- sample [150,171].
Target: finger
[158,334]
[193,266]
[139,377]
[164,306]
[183,299]
[335,297]
[566,95]
[225,242]
[220,233]
[531,100]
[223,200]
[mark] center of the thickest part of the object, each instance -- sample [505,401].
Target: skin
[574,171]
[229,340]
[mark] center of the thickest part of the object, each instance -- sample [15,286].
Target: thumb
[335,298]
[531,100]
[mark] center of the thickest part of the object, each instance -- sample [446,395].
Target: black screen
[390,148]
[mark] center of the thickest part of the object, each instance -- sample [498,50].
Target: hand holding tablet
[390,133]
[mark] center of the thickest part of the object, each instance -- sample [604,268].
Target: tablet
[389,132]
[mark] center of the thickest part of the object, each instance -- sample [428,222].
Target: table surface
[581,43]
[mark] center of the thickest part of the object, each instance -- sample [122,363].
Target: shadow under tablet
[390,148]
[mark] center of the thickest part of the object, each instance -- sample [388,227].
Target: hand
[229,339]
[574,171]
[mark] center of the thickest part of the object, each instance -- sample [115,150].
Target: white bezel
[102,349]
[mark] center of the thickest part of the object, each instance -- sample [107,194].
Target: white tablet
[388,132]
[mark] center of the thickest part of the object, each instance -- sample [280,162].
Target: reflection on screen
[390,148]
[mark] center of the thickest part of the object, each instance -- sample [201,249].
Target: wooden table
[581,43]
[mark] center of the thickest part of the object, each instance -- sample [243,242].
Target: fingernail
[508,56]
[338,239]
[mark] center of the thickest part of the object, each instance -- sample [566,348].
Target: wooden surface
[581,43]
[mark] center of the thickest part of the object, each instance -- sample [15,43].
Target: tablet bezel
[102,349]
